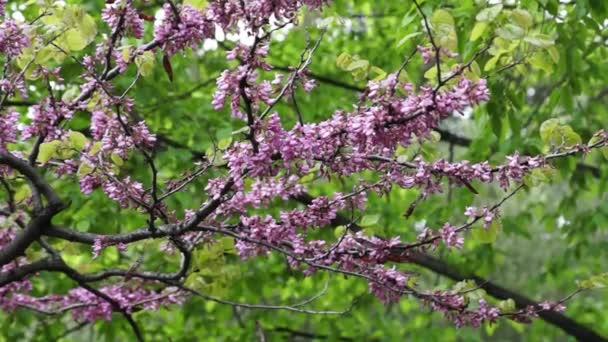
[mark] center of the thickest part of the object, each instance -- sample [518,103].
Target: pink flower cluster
[87,306]
[132,23]
[124,191]
[13,38]
[45,117]
[450,236]
[107,128]
[8,127]
[186,28]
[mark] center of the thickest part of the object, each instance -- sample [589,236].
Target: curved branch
[438,266]
[568,325]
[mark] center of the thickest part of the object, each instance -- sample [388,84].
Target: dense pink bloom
[45,118]
[89,182]
[8,127]
[107,128]
[188,30]
[388,283]
[13,38]
[450,236]
[124,191]
[132,23]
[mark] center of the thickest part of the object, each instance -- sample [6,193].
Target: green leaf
[198,4]
[45,54]
[73,40]
[478,30]
[507,305]
[95,148]
[444,30]
[344,60]
[539,176]
[491,327]
[599,281]
[488,235]
[339,231]
[77,140]
[407,37]
[553,53]
[442,17]
[491,63]
[242,130]
[369,220]
[145,63]
[380,74]
[541,61]
[84,169]
[553,133]
[357,64]
[489,14]
[70,94]
[540,40]
[521,18]
[48,151]
[224,143]
[548,128]
[116,159]
[510,32]
[595,139]
[475,71]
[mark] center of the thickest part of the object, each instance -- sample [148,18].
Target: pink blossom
[450,236]
[13,38]
[132,23]
[188,30]
[8,127]
[124,191]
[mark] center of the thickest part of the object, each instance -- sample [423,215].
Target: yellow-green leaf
[343,60]
[539,176]
[478,30]
[369,220]
[599,281]
[407,37]
[540,40]
[145,63]
[357,64]
[116,159]
[507,305]
[444,30]
[488,14]
[198,4]
[379,73]
[84,169]
[491,63]
[339,231]
[595,139]
[48,151]
[488,235]
[510,32]
[521,18]
[442,17]
[77,140]
[95,148]
[224,143]
[553,53]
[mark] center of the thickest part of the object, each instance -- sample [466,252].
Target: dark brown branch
[557,319]
[438,266]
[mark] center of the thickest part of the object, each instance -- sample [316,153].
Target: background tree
[300,169]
